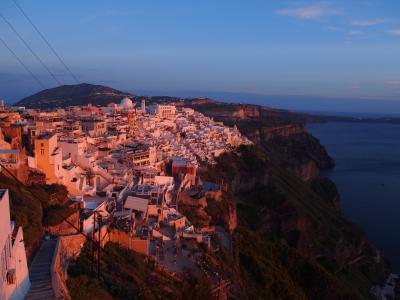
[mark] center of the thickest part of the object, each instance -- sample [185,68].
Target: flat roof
[136,203]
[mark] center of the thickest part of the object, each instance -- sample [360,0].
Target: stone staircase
[39,273]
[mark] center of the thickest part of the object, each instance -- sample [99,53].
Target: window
[42,151]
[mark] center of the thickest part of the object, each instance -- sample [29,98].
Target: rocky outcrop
[279,132]
[286,130]
[247,112]
[293,148]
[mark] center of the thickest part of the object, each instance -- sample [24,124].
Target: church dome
[126,103]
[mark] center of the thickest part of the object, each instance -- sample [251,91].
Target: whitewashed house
[14,274]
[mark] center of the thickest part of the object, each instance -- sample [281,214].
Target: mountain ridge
[68,95]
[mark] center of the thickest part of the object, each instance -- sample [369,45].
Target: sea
[367,174]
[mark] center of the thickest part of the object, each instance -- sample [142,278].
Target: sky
[344,52]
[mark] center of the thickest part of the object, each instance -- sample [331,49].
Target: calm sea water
[367,174]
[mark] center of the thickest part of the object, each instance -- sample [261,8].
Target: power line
[46,41]
[22,64]
[30,49]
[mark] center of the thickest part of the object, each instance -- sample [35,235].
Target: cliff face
[287,142]
[279,206]
[281,196]
[292,147]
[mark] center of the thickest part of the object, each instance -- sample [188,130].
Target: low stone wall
[57,281]
[133,243]
[68,247]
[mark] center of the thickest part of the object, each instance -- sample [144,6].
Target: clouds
[394,31]
[355,32]
[312,12]
[348,21]
[367,22]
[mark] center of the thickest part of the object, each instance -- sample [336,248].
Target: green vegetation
[194,215]
[33,207]
[274,271]
[56,208]
[54,202]
[127,275]
[217,211]
[50,195]
[57,214]
[26,210]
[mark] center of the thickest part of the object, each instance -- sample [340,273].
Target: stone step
[39,273]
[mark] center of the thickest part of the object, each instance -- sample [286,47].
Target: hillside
[34,207]
[290,243]
[66,95]
[318,247]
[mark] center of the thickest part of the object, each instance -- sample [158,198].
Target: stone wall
[133,243]
[68,247]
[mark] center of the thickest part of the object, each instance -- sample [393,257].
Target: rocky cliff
[282,197]
[283,209]
[285,140]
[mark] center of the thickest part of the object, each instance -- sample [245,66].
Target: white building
[143,106]
[126,103]
[14,274]
[73,148]
[48,157]
[166,111]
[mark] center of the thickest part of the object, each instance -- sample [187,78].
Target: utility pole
[99,246]
[93,236]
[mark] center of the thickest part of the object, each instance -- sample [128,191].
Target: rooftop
[45,136]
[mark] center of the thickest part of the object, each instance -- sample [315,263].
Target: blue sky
[330,49]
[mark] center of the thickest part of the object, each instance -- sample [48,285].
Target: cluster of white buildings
[92,149]
[122,161]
